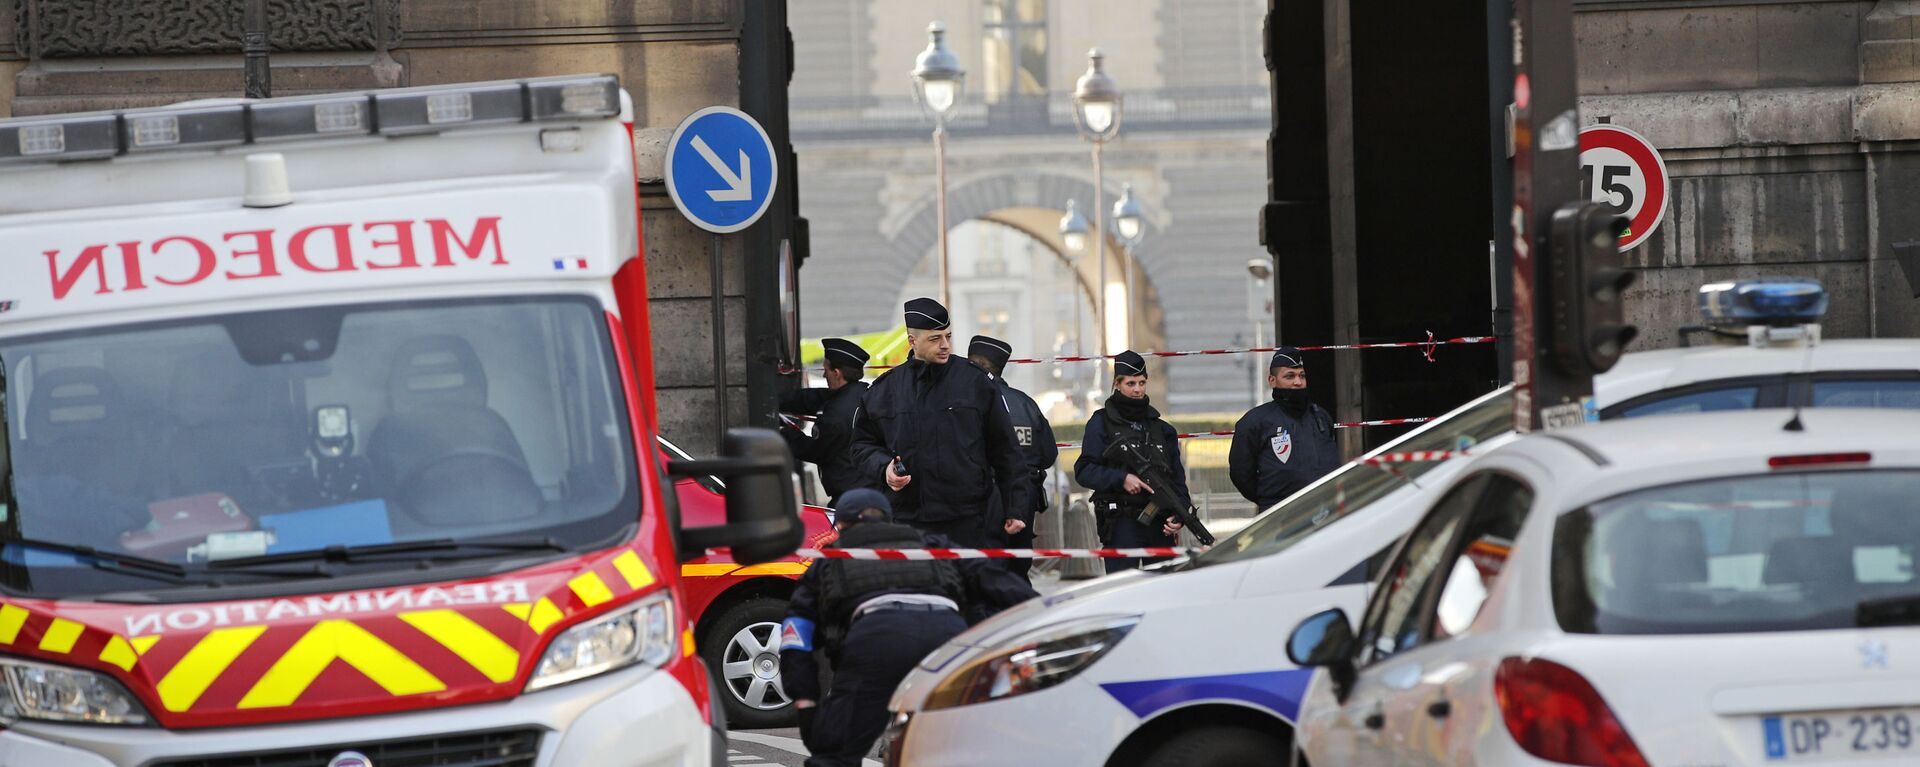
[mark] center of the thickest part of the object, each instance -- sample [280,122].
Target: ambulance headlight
[638,633]
[1032,661]
[59,694]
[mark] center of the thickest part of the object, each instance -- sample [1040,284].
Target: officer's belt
[905,601]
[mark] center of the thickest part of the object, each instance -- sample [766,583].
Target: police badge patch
[1282,444]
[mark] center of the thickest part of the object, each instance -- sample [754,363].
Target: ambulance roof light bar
[204,125]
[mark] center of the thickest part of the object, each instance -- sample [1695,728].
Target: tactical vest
[1119,430]
[845,583]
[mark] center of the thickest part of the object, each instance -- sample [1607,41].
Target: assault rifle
[1132,456]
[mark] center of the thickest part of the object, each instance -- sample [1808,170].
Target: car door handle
[1439,709]
[1375,721]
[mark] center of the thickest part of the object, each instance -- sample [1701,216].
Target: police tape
[1428,347]
[929,554]
[1229,433]
[1414,456]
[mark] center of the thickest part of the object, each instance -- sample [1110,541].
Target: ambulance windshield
[177,445]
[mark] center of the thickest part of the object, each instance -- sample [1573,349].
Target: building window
[1016,51]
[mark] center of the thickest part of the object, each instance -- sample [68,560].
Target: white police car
[1635,593]
[1185,665]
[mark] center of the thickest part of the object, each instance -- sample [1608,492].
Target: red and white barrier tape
[921,554]
[1229,433]
[1428,347]
[1416,456]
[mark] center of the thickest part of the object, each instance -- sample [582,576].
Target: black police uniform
[1279,447]
[1115,509]
[1037,444]
[875,620]
[830,445]
[948,424]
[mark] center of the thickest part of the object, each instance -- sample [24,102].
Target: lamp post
[1096,113]
[1073,231]
[938,82]
[1261,269]
[1128,224]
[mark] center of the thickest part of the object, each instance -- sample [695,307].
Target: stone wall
[1789,130]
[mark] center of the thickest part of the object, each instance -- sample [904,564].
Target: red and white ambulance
[330,436]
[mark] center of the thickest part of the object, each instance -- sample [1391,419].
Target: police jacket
[830,446]
[1108,481]
[1276,451]
[950,425]
[1035,435]
[820,611]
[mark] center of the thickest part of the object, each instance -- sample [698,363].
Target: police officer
[937,434]
[1283,445]
[1030,429]
[1120,494]
[832,440]
[875,619]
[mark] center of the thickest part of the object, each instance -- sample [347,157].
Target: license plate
[1842,736]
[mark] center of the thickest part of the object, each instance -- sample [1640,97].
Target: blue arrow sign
[721,171]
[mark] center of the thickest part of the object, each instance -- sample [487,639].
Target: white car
[1718,589]
[1156,664]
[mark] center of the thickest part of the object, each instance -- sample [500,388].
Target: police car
[1183,665]
[1616,594]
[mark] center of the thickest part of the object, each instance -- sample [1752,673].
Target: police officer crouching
[875,619]
[1120,492]
[1284,445]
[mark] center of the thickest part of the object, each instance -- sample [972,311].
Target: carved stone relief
[68,28]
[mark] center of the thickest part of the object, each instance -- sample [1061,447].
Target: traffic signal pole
[1546,143]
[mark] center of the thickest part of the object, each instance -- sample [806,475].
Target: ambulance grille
[502,748]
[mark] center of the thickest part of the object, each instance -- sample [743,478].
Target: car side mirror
[1325,640]
[763,499]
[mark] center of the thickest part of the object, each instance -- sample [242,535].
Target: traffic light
[1586,307]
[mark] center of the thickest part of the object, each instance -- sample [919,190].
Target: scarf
[1134,410]
[1294,400]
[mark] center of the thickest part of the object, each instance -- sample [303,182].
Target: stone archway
[1031,203]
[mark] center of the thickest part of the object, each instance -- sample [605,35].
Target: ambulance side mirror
[763,499]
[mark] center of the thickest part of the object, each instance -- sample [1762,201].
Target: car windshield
[1356,484]
[477,423]
[1781,552]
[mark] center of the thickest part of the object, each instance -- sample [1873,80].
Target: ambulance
[330,439]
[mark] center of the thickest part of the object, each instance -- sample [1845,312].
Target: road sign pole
[1545,177]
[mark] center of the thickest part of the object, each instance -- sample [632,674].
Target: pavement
[760,748]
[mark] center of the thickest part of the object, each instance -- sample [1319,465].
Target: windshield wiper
[1889,611]
[127,561]
[362,553]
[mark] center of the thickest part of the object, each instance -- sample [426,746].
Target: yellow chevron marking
[143,644]
[590,589]
[119,653]
[686,642]
[331,640]
[774,568]
[544,614]
[518,609]
[471,641]
[634,570]
[187,679]
[11,619]
[706,571]
[61,635]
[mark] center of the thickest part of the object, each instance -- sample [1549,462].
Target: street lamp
[938,82]
[1096,113]
[1073,231]
[1261,269]
[1131,227]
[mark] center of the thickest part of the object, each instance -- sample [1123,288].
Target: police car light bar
[1774,301]
[100,135]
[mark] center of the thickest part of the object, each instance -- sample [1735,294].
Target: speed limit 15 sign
[1621,170]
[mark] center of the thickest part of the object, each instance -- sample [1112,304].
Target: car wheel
[742,647]
[1217,747]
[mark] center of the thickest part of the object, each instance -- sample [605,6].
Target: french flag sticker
[561,264]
